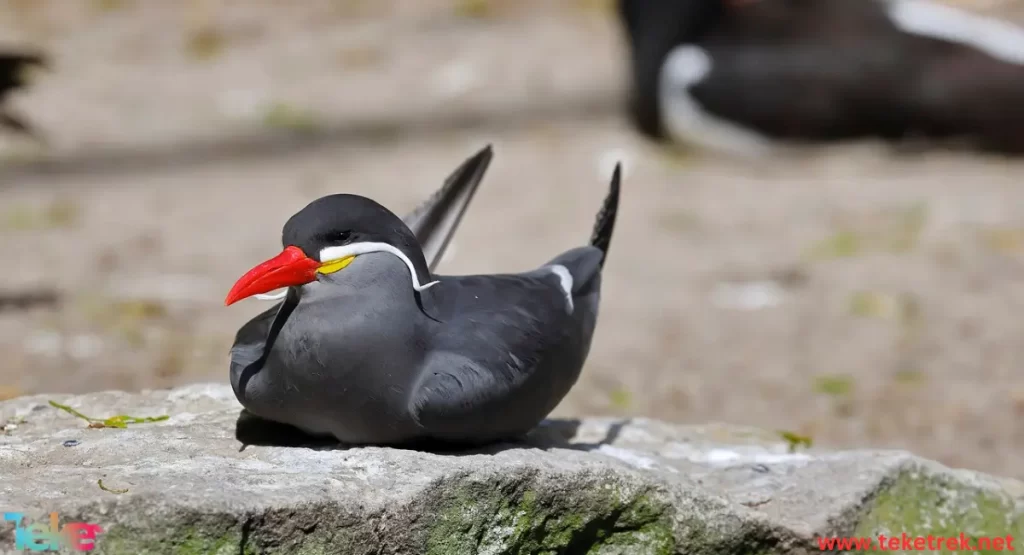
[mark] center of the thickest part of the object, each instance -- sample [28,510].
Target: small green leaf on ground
[834,385]
[70,411]
[795,440]
[842,244]
[283,116]
[871,304]
[142,309]
[474,8]
[111,490]
[620,398]
[909,376]
[119,421]
[59,214]
[903,308]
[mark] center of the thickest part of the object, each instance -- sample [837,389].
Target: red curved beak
[291,267]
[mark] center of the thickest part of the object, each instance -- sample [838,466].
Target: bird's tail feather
[435,220]
[605,224]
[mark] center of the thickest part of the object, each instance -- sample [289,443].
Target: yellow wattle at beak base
[332,266]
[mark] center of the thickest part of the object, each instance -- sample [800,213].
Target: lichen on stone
[501,517]
[919,502]
[190,534]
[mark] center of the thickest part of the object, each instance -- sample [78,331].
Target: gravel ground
[855,295]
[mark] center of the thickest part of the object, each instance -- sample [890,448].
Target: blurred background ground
[858,296]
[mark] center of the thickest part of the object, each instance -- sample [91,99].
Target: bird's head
[325,237]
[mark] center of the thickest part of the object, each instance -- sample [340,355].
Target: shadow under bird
[14,67]
[370,347]
[743,77]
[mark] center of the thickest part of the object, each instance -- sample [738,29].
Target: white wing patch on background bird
[684,118]
[566,280]
[999,39]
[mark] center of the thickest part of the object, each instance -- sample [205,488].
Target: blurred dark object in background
[738,76]
[14,67]
[25,300]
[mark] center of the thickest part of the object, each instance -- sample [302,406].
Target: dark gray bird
[434,223]
[13,67]
[370,347]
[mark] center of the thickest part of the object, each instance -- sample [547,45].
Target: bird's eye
[339,236]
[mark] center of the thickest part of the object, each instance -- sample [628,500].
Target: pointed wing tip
[479,161]
[617,175]
[485,153]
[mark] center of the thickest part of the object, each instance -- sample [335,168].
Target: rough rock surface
[590,486]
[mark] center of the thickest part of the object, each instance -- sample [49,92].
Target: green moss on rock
[920,503]
[186,540]
[303,530]
[595,517]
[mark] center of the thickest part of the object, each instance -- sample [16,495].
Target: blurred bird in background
[741,76]
[14,67]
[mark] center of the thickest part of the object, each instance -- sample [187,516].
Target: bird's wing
[435,220]
[804,91]
[509,333]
